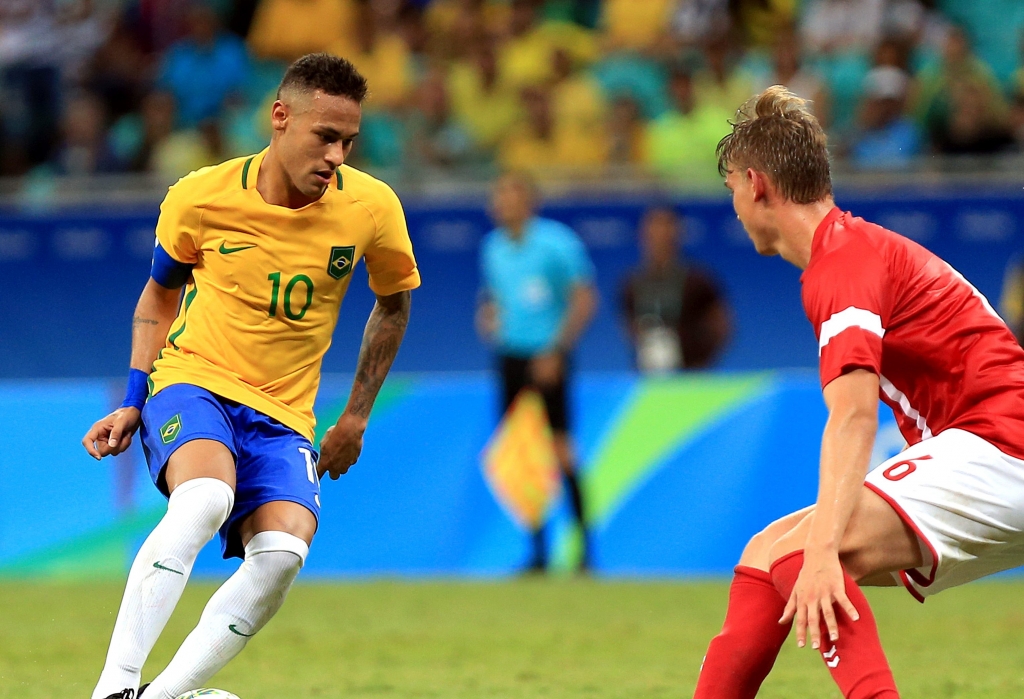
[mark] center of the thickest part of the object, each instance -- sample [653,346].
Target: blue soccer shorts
[272,462]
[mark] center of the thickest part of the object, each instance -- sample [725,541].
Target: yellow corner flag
[519,461]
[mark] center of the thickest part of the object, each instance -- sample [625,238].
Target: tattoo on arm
[144,321]
[381,340]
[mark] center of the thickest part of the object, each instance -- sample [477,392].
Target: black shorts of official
[515,376]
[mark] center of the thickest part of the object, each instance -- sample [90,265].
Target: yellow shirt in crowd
[287,29]
[267,282]
[631,25]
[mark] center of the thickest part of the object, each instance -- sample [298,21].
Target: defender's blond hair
[776,134]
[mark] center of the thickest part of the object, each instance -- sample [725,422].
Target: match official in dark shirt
[675,314]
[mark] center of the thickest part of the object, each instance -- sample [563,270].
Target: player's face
[744,201]
[512,201]
[315,134]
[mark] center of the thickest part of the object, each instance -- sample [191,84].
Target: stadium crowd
[573,87]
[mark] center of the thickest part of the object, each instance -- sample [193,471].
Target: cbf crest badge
[342,260]
[169,432]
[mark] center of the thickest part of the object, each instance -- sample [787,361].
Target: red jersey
[944,358]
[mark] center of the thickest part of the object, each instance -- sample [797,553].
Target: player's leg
[556,403]
[514,373]
[739,659]
[200,476]
[276,540]
[741,656]
[566,454]
[876,541]
[277,507]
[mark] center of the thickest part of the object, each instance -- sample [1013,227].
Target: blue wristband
[138,389]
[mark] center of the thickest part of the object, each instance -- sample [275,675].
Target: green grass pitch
[549,639]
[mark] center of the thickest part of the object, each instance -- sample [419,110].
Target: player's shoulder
[367,189]
[206,184]
[554,233]
[850,241]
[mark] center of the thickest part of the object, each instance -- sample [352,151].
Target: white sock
[240,608]
[195,511]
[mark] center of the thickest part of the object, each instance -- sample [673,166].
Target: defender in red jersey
[895,322]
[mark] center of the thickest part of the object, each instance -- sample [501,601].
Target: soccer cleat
[129,693]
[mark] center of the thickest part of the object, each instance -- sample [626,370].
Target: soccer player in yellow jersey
[264,247]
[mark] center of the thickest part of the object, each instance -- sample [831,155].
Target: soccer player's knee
[277,556]
[756,551]
[207,501]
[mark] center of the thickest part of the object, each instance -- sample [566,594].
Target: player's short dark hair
[776,134]
[330,74]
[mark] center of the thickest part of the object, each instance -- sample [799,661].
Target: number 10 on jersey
[275,293]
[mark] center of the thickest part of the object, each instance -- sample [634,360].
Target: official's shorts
[272,462]
[515,376]
[965,500]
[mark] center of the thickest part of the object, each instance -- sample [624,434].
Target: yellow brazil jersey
[258,313]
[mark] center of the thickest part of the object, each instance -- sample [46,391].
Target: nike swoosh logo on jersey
[232,629]
[169,570]
[227,251]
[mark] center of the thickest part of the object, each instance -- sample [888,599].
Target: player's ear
[759,184]
[279,115]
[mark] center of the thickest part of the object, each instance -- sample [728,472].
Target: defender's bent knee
[757,553]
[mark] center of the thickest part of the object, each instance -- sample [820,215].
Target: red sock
[856,660]
[740,657]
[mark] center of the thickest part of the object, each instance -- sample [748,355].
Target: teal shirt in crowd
[530,280]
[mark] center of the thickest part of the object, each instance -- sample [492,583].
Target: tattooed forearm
[144,321]
[381,340]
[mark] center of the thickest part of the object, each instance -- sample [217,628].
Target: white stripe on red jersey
[881,302]
[849,318]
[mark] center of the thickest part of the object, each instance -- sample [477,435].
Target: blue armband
[167,271]
[138,389]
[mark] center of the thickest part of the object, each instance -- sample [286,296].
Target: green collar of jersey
[248,162]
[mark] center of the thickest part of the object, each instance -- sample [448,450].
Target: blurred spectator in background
[546,143]
[381,55]
[790,69]
[524,59]
[148,142]
[538,297]
[433,138]
[204,69]
[626,133]
[580,110]
[675,314]
[681,142]
[81,28]
[719,83]
[696,21]
[83,148]
[30,80]
[482,102]
[286,29]
[758,22]
[888,136]
[961,104]
[639,27]
[455,24]
[917,23]
[842,26]
[119,72]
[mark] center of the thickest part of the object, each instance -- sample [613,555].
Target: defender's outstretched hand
[341,446]
[113,434]
[819,587]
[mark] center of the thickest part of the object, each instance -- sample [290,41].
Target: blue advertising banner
[70,281]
